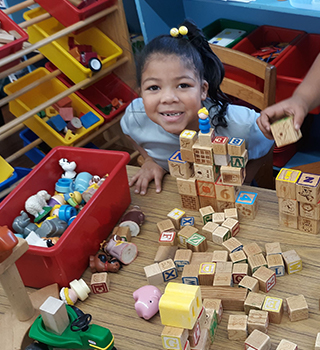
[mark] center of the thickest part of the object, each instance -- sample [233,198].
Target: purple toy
[147,301]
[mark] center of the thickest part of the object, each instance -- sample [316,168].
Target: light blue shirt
[160,144]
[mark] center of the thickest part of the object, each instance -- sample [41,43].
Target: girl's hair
[196,52]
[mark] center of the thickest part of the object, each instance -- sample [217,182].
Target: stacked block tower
[209,168]
[299,195]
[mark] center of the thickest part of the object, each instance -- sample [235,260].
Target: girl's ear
[204,90]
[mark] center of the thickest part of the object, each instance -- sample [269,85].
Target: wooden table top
[115,309]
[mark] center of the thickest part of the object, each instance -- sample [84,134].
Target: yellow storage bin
[58,51]
[41,94]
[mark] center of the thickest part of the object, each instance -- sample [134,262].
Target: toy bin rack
[111,22]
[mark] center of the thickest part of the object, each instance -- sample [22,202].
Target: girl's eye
[184,85]
[153,88]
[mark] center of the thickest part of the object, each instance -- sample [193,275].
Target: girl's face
[172,93]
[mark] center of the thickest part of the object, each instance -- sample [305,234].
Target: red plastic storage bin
[69,258]
[295,64]
[68,14]
[102,92]
[8,24]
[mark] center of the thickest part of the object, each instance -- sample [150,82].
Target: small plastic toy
[73,198]
[81,182]
[37,206]
[78,335]
[102,262]
[7,242]
[22,225]
[78,290]
[204,123]
[147,301]
[126,252]
[134,218]
[52,227]
[68,167]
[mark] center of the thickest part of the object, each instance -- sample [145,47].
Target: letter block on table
[284,132]
[218,218]
[253,301]
[231,213]
[292,261]
[249,283]
[197,243]
[206,214]
[208,229]
[247,204]
[219,255]
[179,167]
[206,273]
[258,319]
[185,233]
[187,221]
[210,323]
[232,244]
[153,274]
[168,238]
[165,252]
[100,283]
[174,338]
[175,216]
[308,188]
[288,220]
[317,344]
[252,249]
[190,274]
[297,308]
[237,327]
[238,257]
[168,270]
[220,235]
[233,225]
[275,263]
[239,271]
[257,340]
[256,261]
[194,334]
[274,306]
[273,248]
[266,278]
[286,183]
[223,279]
[216,305]
[287,345]
[165,225]
[182,258]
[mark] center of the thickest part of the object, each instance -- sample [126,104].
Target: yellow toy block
[6,170]
[180,305]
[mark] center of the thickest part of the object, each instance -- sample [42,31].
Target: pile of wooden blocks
[209,169]
[299,196]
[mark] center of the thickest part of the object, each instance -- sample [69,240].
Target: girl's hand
[291,106]
[149,171]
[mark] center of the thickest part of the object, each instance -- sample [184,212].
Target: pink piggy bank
[147,301]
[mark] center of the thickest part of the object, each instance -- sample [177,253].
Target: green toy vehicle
[78,335]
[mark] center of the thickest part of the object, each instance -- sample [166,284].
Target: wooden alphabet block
[206,273]
[247,204]
[165,252]
[232,245]
[206,214]
[275,263]
[168,238]
[206,172]
[221,205]
[284,133]
[238,257]
[258,341]
[250,283]
[214,304]
[165,225]
[190,202]
[218,218]
[309,211]
[224,266]
[266,278]
[221,159]
[206,188]
[205,201]
[239,161]
[232,176]
[197,243]
[288,220]
[205,139]
[202,154]
[231,213]
[252,249]
[182,258]
[210,323]
[187,138]
[287,345]
[258,319]
[317,344]
[179,167]
[256,261]
[153,274]
[236,146]
[254,301]
[187,155]
[54,315]
[100,283]
[288,206]
[204,341]
[222,279]
[208,229]
[190,274]
[237,327]
[308,225]
[168,270]
[239,271]
[194,335]
[273,248]
[292,261]
[199,257]
[308,188]
[174,337]
[220,235]
[232,225]
[286,183]
[225,193]
[187,221]
[220,145]
[175,216]
[219,255]
[297,308]
[187,186]
[274,307]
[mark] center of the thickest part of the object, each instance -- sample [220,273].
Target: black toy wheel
[95,64]
[81,323]
[37,346]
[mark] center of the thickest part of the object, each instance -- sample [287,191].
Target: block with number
[275,263]
[182,258]
[208,229]
[175,216]
[168,238]
[257,341]
[236,146]
[179,167]
[247,204]
[308,188]
[190,274]
[168,270]
[187,186]
[266,278]
[287,345]
[253,301]
[239,161]
[202,154]
[258,319]
[232,245]
[185,233]
[220,145]
[197,243]
[225,193]
[153,274]
[237,327]
[206,273]
[232,225]
[284,132]
[205,172]
[288,206]
[256,261]
[274,306]
[100,283]
[238,257]
[239,271]
[232,176]
[187,138]
[292,261]
[206,188]
[220,235]
[174,338]
[297,308]
[249,283]
[206,214]
[286,183]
